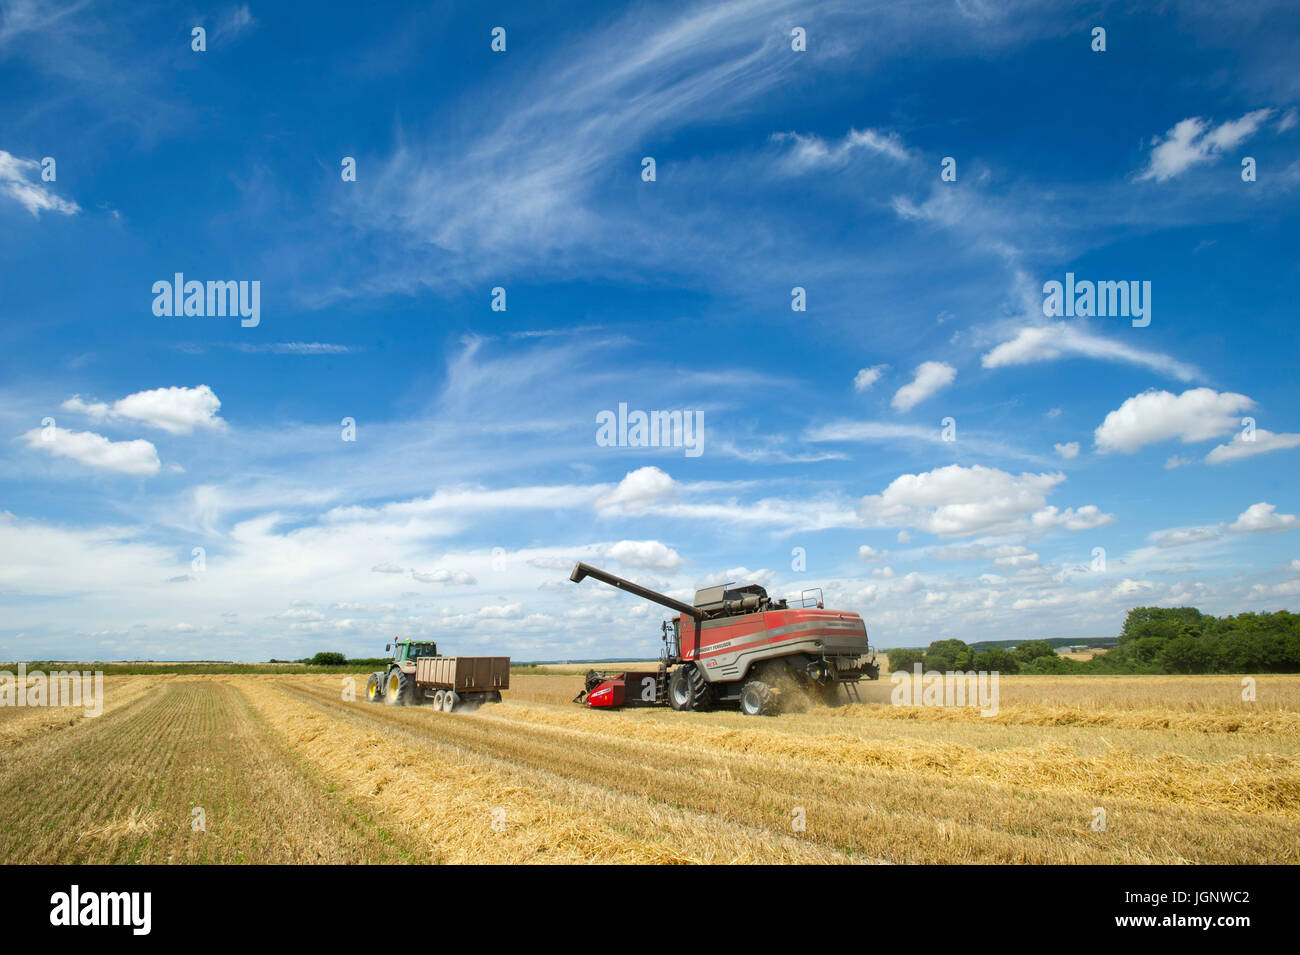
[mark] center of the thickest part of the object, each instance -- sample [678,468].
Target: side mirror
[388,647]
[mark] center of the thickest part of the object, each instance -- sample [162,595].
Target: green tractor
[396,685]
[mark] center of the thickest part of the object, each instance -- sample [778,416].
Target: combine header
[736,645]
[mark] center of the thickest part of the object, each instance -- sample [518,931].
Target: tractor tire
[688,690]
[450,701]
[375,687]
[757,699]
[399,689]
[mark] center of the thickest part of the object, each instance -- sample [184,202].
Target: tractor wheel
[375,688]
[437,700]
[400,688]
[757,699]
[449,701]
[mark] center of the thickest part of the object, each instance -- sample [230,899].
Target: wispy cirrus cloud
[20,180]
[1038,343]
[1194,141]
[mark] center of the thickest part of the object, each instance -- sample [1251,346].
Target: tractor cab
[408,651]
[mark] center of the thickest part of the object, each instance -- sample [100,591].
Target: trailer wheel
[375,687]
[400,689]
[449,701]
[757,699]
[437,700]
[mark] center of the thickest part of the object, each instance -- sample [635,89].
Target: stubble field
[267,768]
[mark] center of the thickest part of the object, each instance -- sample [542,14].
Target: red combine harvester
[736,645]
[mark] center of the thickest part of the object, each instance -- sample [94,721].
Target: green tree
[328,659]
[1033,649]
[997,660]
[953,653]
[903,658]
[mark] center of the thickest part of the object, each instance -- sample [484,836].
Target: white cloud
[869,554]
[1198,414]
[1262,442]
[637,490]
[1068,450]
[97,451]
[866,377]
[956,501]
[1262,518]
[1051,342]
[174,410]
[811,152]
[1128,587]
[648,555]
[1183,536]
[444,576]
[20,180]
[1194,141]
[930,377]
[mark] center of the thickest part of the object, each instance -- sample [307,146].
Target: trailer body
[462,674]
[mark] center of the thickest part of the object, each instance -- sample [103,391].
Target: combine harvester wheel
[757,699]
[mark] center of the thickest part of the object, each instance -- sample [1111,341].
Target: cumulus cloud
[20,180]
[174,410]
[1261,442]
[869,554]
[444,576]
[1072,340]
[1194,141]
[866,377]
[1068,450]
[930,377]
[96,451]
[1198,414]
[1262,518]
[638,489]
[647,555]
[957,501]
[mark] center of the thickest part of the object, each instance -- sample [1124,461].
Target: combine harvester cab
[419,675]
[736,645]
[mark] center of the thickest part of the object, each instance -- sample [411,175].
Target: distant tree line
[1153,640]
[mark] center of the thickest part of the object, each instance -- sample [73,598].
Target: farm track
[889,800]
[123,788]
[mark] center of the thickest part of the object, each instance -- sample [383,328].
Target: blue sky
[475,478]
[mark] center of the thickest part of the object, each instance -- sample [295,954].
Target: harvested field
[287,769]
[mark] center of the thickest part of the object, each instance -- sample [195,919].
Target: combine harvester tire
[757,699]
